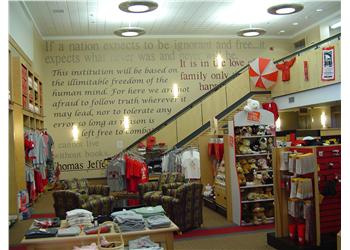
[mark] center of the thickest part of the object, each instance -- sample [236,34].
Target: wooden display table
[65,243]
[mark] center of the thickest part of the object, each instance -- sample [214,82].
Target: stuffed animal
[270,144]
[259,215]
[266,178]
[255,146]
[249,177]
[268,192]
[251,105]
[262,163]
[258,179]
[261,130]
[208,191]
[252,164]
[241,177]
[245,166]
[269,210]
[246,131]
[263,144]
[252,196]
[244,147]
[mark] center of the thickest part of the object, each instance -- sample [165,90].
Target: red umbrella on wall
[263,73]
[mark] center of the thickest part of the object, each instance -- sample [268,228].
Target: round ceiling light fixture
[285,9]
[251,32]
[138,6]
[129,32]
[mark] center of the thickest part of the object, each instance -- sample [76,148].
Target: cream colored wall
[289,120]
[311,36]
[297,82]
[99,110]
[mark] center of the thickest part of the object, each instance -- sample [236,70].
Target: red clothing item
[136,172]
[272,107]
[285,68]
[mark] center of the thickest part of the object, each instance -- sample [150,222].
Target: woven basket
[118,244]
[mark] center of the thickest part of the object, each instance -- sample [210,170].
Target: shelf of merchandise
[25,95]
[254,136]
[254,201]
[241,120]
[256,186]
[250,155]
[270,220]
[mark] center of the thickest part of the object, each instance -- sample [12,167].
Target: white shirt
[190,164]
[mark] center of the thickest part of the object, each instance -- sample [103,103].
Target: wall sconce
[126,122]
[278,124]
[75,133]
[175,90]
[219,60]
[323,119]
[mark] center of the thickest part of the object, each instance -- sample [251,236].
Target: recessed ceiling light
[251,32]
[319,10]
[138,6]
[282,31]
[295,24]
[285,9]
[129,32]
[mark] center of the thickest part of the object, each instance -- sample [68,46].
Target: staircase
[221,102]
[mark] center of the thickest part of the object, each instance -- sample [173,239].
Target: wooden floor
[211,219]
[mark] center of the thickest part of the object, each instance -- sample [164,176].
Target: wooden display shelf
[249,155]
[254,201]
[270,220]
[254,136]
[256,186]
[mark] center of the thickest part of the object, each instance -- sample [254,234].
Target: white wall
[310,97]
[21,28]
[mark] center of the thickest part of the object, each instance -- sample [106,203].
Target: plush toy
[249,177]
[252,164]
[255,146]
[266,178]
[244,147]
[208,191]
[241,177]
[258,179]
[261,130]
[252,196]
[259,215]
[246,131]
[268,192]
[262,163]
[251,105]
[269,210]
[263,144]
[270,144]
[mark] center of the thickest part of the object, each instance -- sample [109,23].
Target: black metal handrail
[222,84]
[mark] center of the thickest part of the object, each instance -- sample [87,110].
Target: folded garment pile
[78,217]
[158,221]
[128,220]
[69,231]
[144,243]
[149,211]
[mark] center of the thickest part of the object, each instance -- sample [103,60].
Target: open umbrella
[263,73]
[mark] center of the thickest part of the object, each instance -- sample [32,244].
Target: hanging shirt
[116,175]
[191,164]
[272,107]
[285,68]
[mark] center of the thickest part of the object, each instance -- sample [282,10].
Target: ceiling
[181,18]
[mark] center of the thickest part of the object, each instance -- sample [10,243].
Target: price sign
[253,116]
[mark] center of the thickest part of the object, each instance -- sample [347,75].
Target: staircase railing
[221,85]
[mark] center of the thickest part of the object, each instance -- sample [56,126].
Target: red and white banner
[328,64]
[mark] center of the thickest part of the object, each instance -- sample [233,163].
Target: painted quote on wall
[93,84]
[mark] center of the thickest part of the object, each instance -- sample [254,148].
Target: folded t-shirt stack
[144,243]
[128,220]
[158,221]
[69,231]
[149,211]
[79,217]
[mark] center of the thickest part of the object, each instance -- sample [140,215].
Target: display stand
[327,200]
[222,202]
[252,188]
